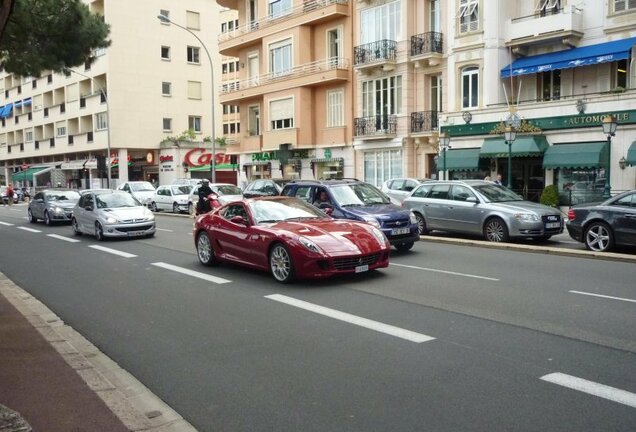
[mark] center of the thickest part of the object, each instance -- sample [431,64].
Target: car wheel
[32,218]
[99,231]
[496,230]
[599,237]
[404,247]
[76,229]
[190,209]
[421,224]
[47,218]
[175,208]
[205,252]
[280,264]
[153,207]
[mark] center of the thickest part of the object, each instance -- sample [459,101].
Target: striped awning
[576,155]
[631,155]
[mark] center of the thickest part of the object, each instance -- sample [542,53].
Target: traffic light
[101,166]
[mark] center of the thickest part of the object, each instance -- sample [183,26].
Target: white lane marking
[68,239]
[161,229]
[6,223]
[603,296]
[593,388]
[445,272]
[30,229]
[196,274]
[353,319]
[113,251]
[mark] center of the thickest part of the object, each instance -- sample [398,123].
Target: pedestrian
[10,193]
[498,181]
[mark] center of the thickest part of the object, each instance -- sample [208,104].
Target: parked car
[171,197]
[288,237]
[400,188]
[264,187]
[5,198]
[52,205]
[225,192]
[602,226]
[357,200]
[112,214]
[481,208]
[143,191]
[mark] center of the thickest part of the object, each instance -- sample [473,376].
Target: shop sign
[200,157]
[150,157]
[273,155]
[166,158]
[327,153]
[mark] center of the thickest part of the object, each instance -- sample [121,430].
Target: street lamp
[510,134]
[444,144]
[103,93]
[609,129]
[165,19]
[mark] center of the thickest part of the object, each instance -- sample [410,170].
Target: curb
[133,403]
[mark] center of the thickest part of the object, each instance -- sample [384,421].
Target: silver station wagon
[481,208]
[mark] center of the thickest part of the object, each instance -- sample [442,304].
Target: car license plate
[135,233]
[550,225]
[362,268]
[398,231]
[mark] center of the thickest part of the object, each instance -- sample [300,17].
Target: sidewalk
[54,380]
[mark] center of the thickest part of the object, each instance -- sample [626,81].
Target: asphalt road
[447,338]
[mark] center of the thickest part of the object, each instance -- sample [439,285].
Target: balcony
[273,138]
[309,12]
[424,122]
[309,74]
[564,26]
[426,49]
[378,54]
[378,126]
[251,143]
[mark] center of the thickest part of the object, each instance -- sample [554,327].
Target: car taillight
[571,215]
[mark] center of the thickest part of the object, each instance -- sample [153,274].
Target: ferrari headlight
[309,244]
[371,220]
[526,217]
[380,237]
[412,218]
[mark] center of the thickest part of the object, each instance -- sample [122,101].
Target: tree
[39,35]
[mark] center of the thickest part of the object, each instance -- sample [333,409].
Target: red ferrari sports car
[288,237]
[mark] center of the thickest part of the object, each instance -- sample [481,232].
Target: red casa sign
[167,158]
[201,157]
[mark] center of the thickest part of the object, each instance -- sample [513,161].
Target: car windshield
[280,210]
[228,190]
[181,190]
[141,187]
[63,196]
[358,194]
[497,193]
[116,200]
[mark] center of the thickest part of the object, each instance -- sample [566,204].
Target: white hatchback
[173,198]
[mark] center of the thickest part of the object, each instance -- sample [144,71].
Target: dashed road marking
[162,229]
[446,272]
[196,274]
[593,388]
[353,319]
[59,237]
[113,251]
[6,223]
[29,229]
[603,296]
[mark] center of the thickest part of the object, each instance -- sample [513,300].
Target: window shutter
[194,90]
[192,20]
[281,109]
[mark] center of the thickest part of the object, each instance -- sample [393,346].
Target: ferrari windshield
[497,193]
[358,194]
[265,211]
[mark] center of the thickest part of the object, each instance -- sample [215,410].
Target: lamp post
[165,19]
[103,93]
[444,144]
[510,134]
[609,129]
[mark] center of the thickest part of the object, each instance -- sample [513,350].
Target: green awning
[27,174]
[631,155]
[576,155]
[218,167]
[523,145]
[459,160]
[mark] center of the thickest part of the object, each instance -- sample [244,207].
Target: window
[468,16]
[436,93]
[193,54]
[60,129]
[620,73]
[231,67]
[230,25]
[548,7]
[626,201]
[278,8]
[280,57]
[281,113]
[165,52]
[550,85]
[101,120]
[193,20]
[167,124]
[166,88]
[382,96]
[194,123]
[165,13]
[224,68]
[226,128]
[28,136]
[624,5]
[335,108]
[253,120]
[470,87]
[381,22]
[223,27]
[382,165]
[462,193]
[194,90]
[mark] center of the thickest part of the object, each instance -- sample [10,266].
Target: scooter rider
[203,205]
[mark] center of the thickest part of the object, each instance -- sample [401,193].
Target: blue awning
[18,104]
[575,57]
[26,101]
[6,110]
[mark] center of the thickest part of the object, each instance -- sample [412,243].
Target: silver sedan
[481,208]
[52,205]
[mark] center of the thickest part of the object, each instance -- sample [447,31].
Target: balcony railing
[424,121]
[426,43]
[382,50]
[294,72]
[375,125]
[306,6]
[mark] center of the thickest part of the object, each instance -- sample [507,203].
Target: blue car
[357,200]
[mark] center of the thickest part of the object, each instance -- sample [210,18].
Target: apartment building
[552,70]
[153,83]
[294,93]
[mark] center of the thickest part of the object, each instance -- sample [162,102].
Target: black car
[264,187]
[605,225]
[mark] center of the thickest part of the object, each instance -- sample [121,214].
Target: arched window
[470,87]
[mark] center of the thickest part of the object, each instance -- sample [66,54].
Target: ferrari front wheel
[205,252]
[280,264]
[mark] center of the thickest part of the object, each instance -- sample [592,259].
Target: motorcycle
[208,204]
